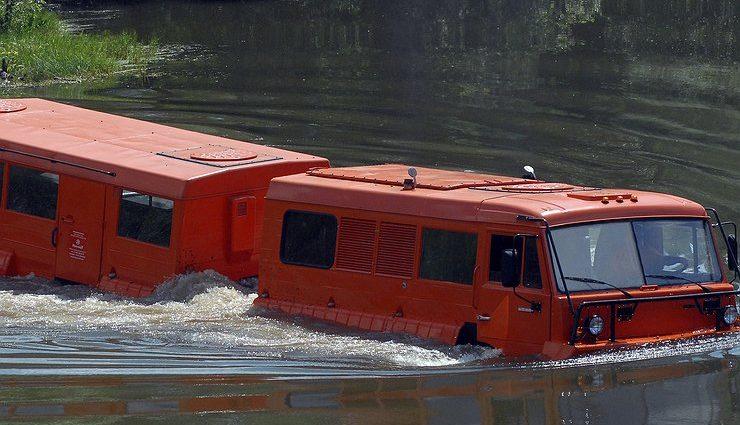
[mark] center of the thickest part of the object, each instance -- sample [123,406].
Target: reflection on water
[702,390]
[633,93]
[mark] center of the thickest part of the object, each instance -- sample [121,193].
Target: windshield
[629,254]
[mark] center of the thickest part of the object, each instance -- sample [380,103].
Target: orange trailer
[520,264]
[123,204]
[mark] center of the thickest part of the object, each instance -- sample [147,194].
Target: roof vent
[225,154]
[7,106]
[218,156]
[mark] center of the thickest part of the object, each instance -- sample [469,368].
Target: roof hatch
[7,106]
[536,187]
[218,156]
[427,178]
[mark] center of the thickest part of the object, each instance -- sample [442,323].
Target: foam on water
[200,313]
[724,346]
[204,319]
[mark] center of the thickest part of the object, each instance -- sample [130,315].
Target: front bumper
[559,351]
[614,305]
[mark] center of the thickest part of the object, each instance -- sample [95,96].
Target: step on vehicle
[527,266]
[123,204]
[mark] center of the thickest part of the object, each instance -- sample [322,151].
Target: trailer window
[308,239]
[32,192]
[145,218]
[448,256]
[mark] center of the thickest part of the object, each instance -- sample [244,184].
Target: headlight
[595,325]
[730,316]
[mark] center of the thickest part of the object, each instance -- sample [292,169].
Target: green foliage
[39,47]
[27,15]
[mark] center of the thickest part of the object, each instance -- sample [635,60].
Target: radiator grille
[396,250]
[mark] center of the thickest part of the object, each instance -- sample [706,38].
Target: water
[198,347]
[612,92]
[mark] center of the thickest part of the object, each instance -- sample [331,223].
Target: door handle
[68,219]
[54,234]
[483,318]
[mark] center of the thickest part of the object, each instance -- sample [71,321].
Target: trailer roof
[136,154]
[462,196]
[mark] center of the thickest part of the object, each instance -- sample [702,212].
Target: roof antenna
[529,173]
[410,184]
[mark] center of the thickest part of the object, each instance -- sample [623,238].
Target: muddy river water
[629,93]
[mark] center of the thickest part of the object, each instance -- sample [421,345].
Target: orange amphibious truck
[122,204]
[530,267]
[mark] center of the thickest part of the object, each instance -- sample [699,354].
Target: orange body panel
[216,187]
[374,290]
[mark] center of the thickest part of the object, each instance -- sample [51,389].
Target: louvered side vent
[355,245]
[396,250]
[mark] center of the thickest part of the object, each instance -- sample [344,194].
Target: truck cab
[602,284]
[530,267]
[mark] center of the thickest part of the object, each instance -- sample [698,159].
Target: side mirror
[732,252]
[510,268]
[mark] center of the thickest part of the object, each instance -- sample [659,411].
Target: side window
[32,192]
[448,256]
[532,276]
[309,239]
[499,244]
[145,218]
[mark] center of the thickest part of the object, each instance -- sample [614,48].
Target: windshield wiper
[598,282]
[670,276]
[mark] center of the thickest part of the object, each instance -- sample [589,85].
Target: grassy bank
[40,48]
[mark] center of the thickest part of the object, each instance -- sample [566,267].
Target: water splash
[196,315]
[203,319]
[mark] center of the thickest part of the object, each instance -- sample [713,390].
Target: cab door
[80,230]
[515,319]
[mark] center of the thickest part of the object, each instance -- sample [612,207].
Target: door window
[499,244]
[33,192]
[448,256]
[532,277]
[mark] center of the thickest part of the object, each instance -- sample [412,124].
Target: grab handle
[54,234]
